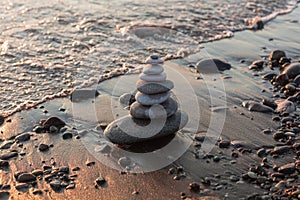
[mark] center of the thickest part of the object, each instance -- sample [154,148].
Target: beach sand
[240,124]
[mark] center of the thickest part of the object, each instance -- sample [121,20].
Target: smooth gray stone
[154,87]
[166,109]
[151,99]
[212,66]
[128,130]
[153,69]
[156,78]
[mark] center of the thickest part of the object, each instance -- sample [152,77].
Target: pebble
[6,145]
[292,70]
[278,135]
[212,66]
[22,186]
[289,168]
[224,143]
[26,177]
[148,100]
[269,102]
[53,121]
[154,59]
[252,175]
[100,181]
[3,163]
[43,147]
[154,87]
[8,155]
[261,152]
[256,106]
[257,65]
[1,120]
[286,106]
[297,80]
[153,78]
[269,76]
[37,172]
[281,150]
[55,185]
[194,187]
[276,55]
[67,135]
[22,137]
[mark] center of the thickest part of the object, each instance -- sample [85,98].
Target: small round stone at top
[154,57]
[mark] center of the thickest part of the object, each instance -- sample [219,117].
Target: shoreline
[243,85]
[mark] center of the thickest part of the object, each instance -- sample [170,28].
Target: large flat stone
[128,130]
[154,87]
[166,109]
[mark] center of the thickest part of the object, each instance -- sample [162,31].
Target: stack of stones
[153,97]
[154,114]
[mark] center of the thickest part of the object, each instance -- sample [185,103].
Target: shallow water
[48,47]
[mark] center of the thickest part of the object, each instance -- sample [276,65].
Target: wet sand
[281,33]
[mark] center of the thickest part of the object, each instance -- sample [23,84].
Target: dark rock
[289,168]
[22,186]
[277,55]
[37,172]
[139,129]
[53,121]
[284,60]
[37,192]
[6,156]
[278,135]
[43,147]
[269,102]
[257,65]
[154,87]
[1,120]
[281,150]
[26,177]
[22,137]
[64,169]
[90,163]
[261,152]
[55,185]
[292,70]
[67,135]
[194,187]
[296,146]
[84,94]
[224,144]
[4,163]
[282,79]
[6,145]
[269,76]
[38,129]
[100,181]
[212,66]
[163,110]
[297,80]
